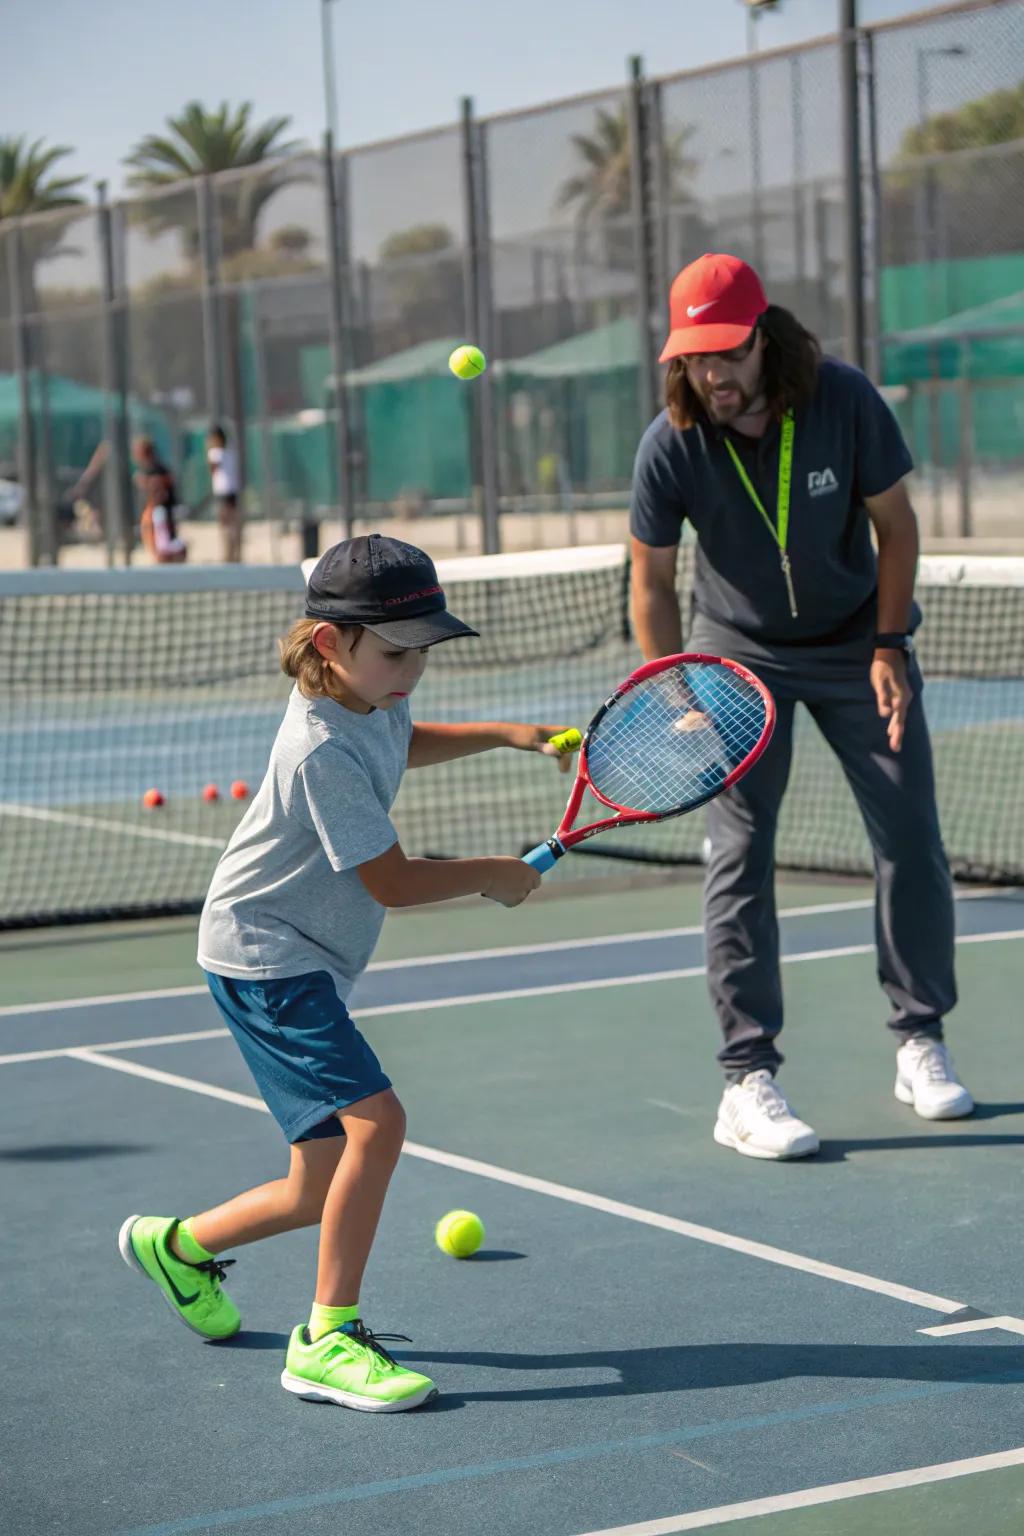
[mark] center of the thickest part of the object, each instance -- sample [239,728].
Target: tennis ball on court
[239,789]
[211,793]
[152,798]
[459,1234]
[467,362]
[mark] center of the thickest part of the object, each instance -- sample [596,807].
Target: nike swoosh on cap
[693,310]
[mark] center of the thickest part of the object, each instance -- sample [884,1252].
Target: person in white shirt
[223,462]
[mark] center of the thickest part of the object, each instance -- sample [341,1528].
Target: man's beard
[741,403]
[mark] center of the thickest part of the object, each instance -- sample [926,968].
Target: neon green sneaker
[192,1291]
[351,1367]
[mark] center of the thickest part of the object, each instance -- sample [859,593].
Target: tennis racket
[675,734]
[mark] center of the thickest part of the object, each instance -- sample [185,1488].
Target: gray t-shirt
[286,896]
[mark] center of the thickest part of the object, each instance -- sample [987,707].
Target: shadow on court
[701,1367]
[837,1151]
[71,1152]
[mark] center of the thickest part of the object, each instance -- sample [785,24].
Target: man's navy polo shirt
[847,446]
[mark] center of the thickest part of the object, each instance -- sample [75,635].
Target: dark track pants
[896,797]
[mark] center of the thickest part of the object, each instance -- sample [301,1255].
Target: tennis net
[116,682]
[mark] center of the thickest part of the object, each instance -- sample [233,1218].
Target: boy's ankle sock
[325,1319]
[182,1242]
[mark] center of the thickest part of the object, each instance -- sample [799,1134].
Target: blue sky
[99,74]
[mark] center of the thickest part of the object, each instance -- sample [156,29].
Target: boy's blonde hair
[301,659]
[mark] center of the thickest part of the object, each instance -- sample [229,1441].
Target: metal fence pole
[965,523]
[337,233]
[26,426]
[661,194]
[799,173]
[209,299]
[268,499]
[116,474]
[756,169]
[644,243]
[875,173]
[479,323]
[849,47]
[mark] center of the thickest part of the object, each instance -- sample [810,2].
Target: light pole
[330,78]
[755,8]
[954,51]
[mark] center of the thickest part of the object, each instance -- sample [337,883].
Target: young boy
[290,922]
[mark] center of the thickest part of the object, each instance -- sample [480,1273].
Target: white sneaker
[754,1118]
[925,1078]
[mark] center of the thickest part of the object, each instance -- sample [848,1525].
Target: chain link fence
[309,305]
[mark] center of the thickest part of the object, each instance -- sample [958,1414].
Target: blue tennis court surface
[658,1335]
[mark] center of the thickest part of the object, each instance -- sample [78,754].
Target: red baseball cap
[713,305]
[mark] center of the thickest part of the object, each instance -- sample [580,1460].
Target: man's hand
[694,720]
[892,691]
[537,738]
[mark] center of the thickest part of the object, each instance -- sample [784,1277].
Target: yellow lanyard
[779,530]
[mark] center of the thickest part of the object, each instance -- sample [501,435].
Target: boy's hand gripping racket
[674,735]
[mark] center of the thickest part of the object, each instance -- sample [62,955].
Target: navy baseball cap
[388,587]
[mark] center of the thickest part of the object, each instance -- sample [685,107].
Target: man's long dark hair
[791,358]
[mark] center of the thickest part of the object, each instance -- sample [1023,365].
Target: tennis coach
[783,461]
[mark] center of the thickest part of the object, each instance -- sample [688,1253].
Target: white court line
[462,1000]
[460,956]
[69,818]
[565,1192]
[807,1498]
[977,1325]
[103,1001]
[549,947]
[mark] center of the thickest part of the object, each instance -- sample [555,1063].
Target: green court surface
[97,958]
[658,1336]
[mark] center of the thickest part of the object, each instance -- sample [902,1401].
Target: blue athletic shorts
[302,1048]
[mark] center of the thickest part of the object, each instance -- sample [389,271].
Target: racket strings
[674,738]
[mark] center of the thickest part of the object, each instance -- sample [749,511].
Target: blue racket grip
[542,858]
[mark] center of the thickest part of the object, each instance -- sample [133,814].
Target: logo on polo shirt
[821,482]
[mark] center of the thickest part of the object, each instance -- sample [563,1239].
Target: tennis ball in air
[467,362]
[239,789]
[152,798]
[211,793]
[460,1234]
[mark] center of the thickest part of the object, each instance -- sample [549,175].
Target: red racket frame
[568,837]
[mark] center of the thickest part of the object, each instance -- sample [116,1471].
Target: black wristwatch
[897,641]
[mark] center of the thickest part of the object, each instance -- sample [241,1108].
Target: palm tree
[602,190]
[200,142]
[26,186]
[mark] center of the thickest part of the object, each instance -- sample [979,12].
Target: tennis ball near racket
[467,362]
[459,1234]
[566,741]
